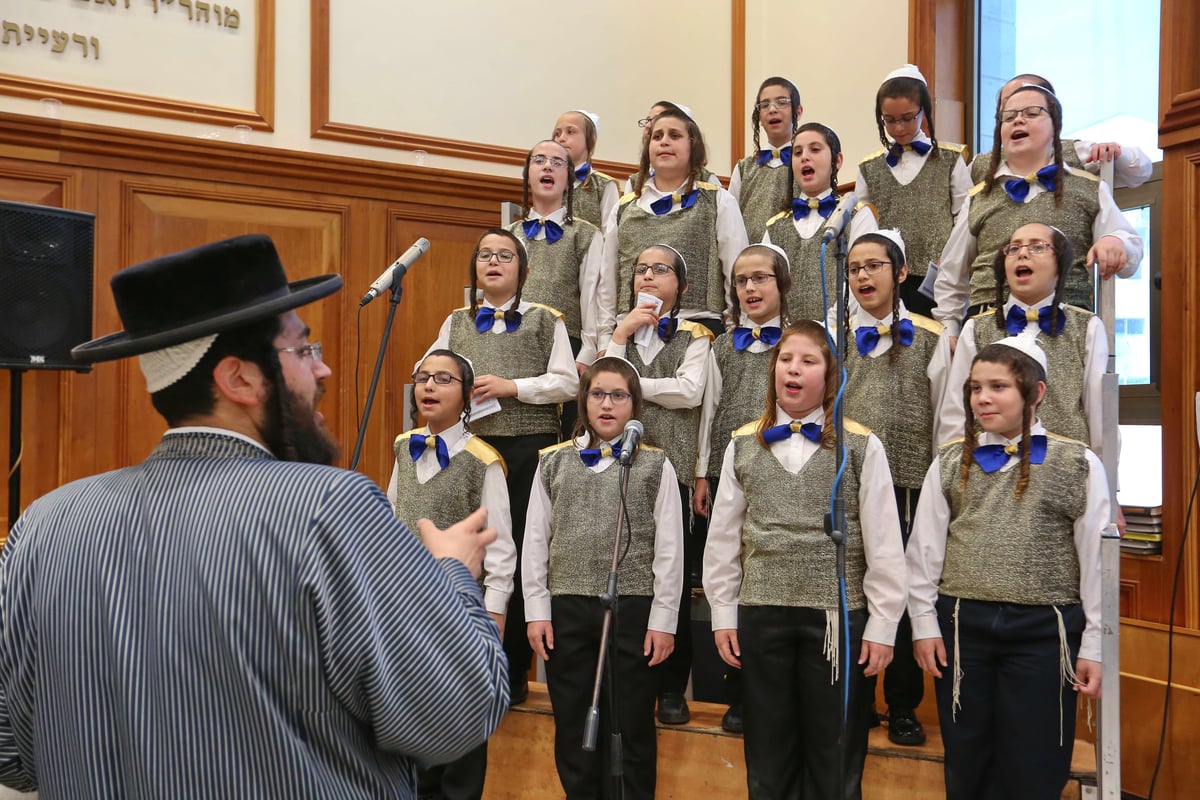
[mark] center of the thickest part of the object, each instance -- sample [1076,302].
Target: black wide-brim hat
[198,292]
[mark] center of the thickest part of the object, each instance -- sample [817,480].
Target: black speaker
[45,285]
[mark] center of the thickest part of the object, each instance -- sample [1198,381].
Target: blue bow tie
[991,457]
[777,433]
[583,170]
[784,154]
[896,150]
[664,204]
[867,336]
[824,207]
[666,328]
[744,337]
[418,443]
[590,456]
[485,319]
[1018,188]
[532,227]
[1017,318]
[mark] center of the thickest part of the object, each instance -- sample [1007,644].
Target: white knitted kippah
[168,365]
[906,71]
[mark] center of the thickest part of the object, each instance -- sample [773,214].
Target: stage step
[699,760]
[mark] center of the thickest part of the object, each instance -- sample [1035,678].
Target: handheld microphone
[396,271]
[631,439]
[840,218]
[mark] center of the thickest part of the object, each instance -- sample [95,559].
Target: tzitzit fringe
[1066,671]
[830,649]
[955,703]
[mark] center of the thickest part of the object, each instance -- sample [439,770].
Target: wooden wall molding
[261,117]
[1179,76]
[737,84]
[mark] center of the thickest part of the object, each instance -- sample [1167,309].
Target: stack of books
[1143,530]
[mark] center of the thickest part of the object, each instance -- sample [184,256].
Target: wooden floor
[699,761]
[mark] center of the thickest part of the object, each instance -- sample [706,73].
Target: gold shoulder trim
[856,427]
[780,215]
[627,198]
[976,189]
[706,185]
[485,453]
[554,311]
[1082,173]
[553,447]
[697,330]
[1066,439]
[931,325]
[874,155]
[747,429]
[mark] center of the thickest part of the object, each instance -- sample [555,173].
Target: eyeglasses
[658,269]
[871,268]
[778,102]
[505,256]
[903,119]
[441,378]
[758,279]
[1034,248]
[644,121]
[539,160]
[1028,112]
[618,398]
[312,351]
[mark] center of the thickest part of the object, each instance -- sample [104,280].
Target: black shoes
[673,709]
[732,721]
[905,729]
[518,689]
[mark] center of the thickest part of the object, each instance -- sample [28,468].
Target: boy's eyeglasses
[505,256]
[441,378]
[657,269]
[618,398]
[312,351]
[758,279]
[644,121]
[1035,248]
[871,268]
[539,160]
[1028,112]
[903,119]
[778,102]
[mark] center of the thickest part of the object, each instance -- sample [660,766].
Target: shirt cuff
[880,631]
[953,327]
[1089,647]
[926,627]
[663,620]
[496,601]
[724,617]
[537,610]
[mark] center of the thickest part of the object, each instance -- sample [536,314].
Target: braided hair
[633,383]
[793,93]
[907,89]
[783,281]
[466,376]
[679,267]
[1055,110]
[896,256]
[522,271]
[1064,255]
[835,150]
[568,195]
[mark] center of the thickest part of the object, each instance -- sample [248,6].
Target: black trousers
[1003,741]
[792,711]
[570,673]
[914,301]
[673,673]
[903,680]
[520,456]
[461,779]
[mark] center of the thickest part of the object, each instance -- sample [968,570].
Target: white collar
[746,322]
[451,436]
[782,417]
[558,215]
[1035,429]
[186,429]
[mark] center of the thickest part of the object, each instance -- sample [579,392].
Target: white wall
[503,77]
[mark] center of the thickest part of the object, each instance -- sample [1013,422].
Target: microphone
[631,439]
[396,271]
[840,217]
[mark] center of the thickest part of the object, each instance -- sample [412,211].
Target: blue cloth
[896,150]
[1017,319]
[666,328]
[991,457]
[867,336]
[777,433]
[485,319]
[1018,188]
[214,622]
[744,337]
[784,154]
[418,442]
[532,227]
[591,455]
[824,207]
[665,203]
[583,170]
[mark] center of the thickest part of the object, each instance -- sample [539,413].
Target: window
[1110,96]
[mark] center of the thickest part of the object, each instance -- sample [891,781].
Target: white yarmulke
[686,110]
[593,116]
[769,246]
[892,235]
[1026,344]
[906,71]
[165,367]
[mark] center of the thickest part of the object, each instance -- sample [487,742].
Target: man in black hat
[233,617]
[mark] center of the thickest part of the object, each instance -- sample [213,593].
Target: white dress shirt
[884,582]
[1132,168]
[909,166]
[558,384]
[952,418]
[589,285]
[926,552]
[735,178]
[500,558]
[608,200]
[952,289]
[668,546]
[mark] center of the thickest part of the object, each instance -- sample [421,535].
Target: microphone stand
[397,291]
[608,632]
[835,522]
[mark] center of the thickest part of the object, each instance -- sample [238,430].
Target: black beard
[292,433]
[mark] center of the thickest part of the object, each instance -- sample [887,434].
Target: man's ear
[239,381]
